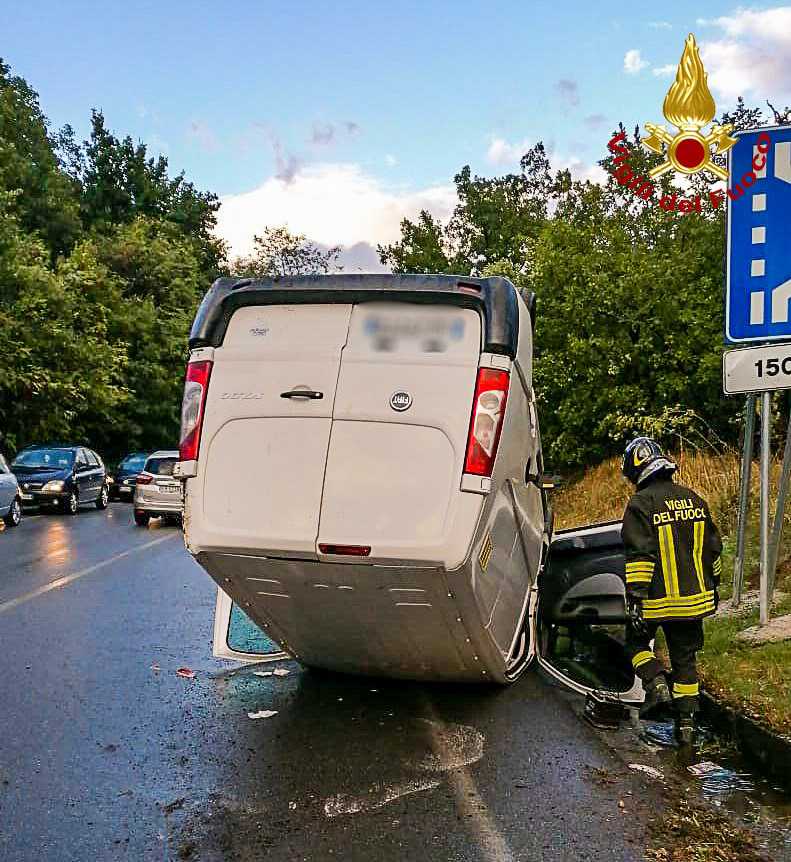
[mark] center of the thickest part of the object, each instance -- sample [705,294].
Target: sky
[340,119]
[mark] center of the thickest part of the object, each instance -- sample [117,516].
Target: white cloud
[749,55]
[390,160]
[660,25]
[665,71]
[505,154]
[633,62]
[580,170]
[501,152]
[332,204]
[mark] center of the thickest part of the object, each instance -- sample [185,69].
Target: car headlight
[55,485]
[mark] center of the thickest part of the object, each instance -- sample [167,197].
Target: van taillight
[488,409]
[144,479]
[192,406]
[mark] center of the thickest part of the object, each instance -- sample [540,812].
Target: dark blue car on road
[60,476]
[124,479]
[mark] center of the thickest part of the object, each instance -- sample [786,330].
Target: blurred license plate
[26,496]
[171,489]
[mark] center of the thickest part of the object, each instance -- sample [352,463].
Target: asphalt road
[104,758]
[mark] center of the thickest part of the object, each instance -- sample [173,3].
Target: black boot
[657,696]
[685,730]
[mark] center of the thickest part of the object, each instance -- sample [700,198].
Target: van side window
[82,460]
[93,461]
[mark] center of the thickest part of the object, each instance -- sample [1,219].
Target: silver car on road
[10,504]
[157,493]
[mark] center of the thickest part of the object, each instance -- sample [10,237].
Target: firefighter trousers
[684,638]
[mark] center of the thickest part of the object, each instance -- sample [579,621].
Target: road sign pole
[777,528]
[744,498]
[766,430]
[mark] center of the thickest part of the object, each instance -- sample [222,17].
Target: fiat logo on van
[400,401]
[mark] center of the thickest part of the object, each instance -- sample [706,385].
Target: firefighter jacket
[672,550]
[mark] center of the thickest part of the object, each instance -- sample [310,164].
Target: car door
[581,613]
[8,486]
[96,472]
[82,471]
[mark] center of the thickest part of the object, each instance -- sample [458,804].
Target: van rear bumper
[408,622]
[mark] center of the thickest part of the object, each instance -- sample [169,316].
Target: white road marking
[454,746]
[67,579]
[475,813]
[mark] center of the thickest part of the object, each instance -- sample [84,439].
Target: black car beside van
[124,479]
[60,476]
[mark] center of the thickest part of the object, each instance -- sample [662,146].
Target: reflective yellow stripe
[672,554]
[640,564]
[642,658]
[717,567]
[697,599]
[684,606]
[639,578]
[663,553]
[685,689]
[674,612]
[700,527]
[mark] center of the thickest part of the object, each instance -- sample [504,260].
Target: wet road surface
[104,758]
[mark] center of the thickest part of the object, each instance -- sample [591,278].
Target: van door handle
[303,393]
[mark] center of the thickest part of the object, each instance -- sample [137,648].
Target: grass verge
[691,832]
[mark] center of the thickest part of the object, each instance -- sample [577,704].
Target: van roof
[495,298]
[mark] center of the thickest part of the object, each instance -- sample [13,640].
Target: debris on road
[705,767]
[648,770]
[264,713]
[155,667]
[720,781]
[175,805]
[278,671]
[186,673]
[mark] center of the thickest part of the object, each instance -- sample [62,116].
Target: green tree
[280,253]
[422,247]
[496,219]
[61,376]
[46,201]
[160,281]
[119,181]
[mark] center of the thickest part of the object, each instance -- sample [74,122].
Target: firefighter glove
[634,607]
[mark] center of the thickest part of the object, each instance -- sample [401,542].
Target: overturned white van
[364,478]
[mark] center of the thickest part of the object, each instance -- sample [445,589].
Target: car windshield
[133,462]
[56,459]
[161,466]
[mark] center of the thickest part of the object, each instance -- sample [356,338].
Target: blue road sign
[758,280]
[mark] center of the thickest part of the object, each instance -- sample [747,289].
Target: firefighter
[673,569]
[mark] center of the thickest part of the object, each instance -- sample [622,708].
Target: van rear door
[267,427]
[399,433]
